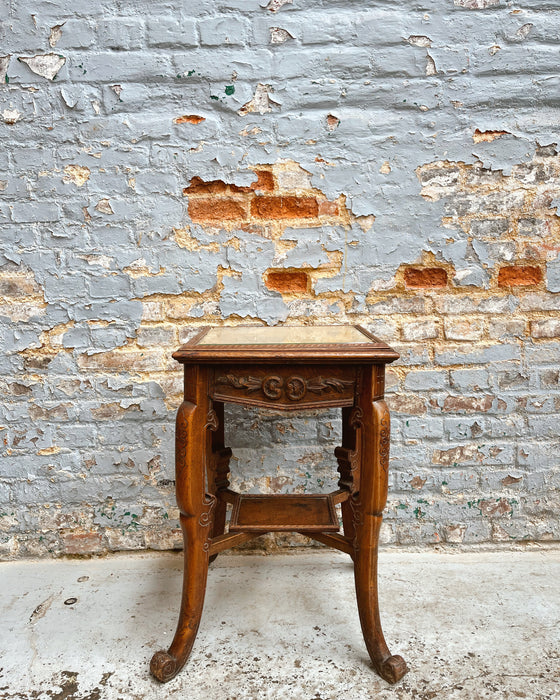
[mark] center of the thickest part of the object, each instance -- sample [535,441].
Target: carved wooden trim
[348,468]
[356,418]
[384,441]
[294,387]
[212,422]
[357,520]
[181,435]
[206,518]
[250,384]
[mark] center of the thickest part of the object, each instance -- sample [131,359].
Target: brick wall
[172,165]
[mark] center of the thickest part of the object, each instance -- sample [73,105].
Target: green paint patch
[214,97]
[402,506]
[190,72]
[230,89]
[6,79]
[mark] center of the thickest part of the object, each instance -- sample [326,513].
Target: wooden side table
[286,368]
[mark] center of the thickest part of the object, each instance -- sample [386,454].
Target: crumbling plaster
[425,123]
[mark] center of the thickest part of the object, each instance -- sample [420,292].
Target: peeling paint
[4,63]
[261,102]
[46,65]
[55,34]
[78,174]
[11,116]
[405,179]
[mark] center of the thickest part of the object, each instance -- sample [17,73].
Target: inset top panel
[284,344]
[284,335]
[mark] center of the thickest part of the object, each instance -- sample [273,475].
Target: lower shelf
[283,513]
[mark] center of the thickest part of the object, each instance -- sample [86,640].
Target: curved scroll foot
[163,666]
[392,669]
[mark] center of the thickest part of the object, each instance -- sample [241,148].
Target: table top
[285,344]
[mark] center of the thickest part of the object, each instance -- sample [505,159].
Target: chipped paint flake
[261,102]
[419,40]
[104,206]
[488,136]
[430,65]
[78,174]
[189,119]
[275,5]
[46,65]
[476,4]
[279,35]
[55,35]
[4,63]
[11,116]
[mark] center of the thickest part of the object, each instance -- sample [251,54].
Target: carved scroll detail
[212,421]
[357,519]
[206,518]
[384,442]
[272,387]
[295,387]
[356,418]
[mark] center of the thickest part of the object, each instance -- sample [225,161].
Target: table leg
[196,514]
[218,471]
[368,507]
[348,457]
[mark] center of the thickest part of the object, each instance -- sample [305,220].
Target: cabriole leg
[368,506]
[196,514]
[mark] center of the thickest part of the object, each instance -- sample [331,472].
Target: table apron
[285,387]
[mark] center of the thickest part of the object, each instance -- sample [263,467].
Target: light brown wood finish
[196,509]
[367,505]
[284,376]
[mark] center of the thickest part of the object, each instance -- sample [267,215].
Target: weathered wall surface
[167,165]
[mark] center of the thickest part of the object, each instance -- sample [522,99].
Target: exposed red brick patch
[198,186]
[217,210]
[287,281]
[265,181]
[479,136]
[189,119]
[425,277]
[519,276]
[284,207]
[327,208]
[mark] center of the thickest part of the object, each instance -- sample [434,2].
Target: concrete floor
[477,625]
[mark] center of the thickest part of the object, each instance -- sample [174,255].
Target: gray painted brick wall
[426,131]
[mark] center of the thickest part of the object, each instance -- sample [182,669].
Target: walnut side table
[285,368]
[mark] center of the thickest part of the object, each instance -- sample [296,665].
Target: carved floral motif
[295,387]
[384,442]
